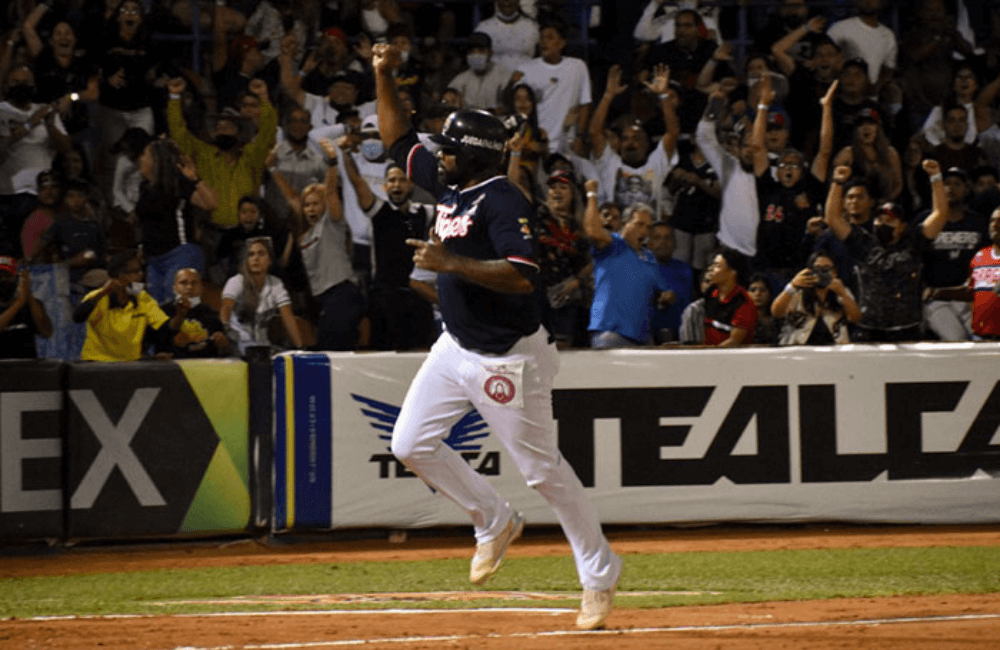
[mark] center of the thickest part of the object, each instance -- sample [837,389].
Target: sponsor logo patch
[499,388]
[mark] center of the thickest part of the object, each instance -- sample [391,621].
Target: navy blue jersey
[488,221]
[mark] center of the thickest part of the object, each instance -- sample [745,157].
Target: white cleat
[596,605]
[489,555]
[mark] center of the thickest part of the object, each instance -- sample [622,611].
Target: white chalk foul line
[565,633]
[307,612]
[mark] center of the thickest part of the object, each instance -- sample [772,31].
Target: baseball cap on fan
[47,177]
[777,118]
[337,33]
[868,114]
[369,125]
[245,42]
[956,172]
[8,266]
[560,176]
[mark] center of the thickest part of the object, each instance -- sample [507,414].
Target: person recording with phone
[816,305]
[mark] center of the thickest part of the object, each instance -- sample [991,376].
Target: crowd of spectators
[777,173]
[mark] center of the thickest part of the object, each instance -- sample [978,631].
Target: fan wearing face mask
[231,164]
[201,334]
[119,314]
[514,33]
[483,83]
[300,164]
[366,151]
[889,259]
[30,136]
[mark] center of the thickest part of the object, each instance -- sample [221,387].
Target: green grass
[736,577]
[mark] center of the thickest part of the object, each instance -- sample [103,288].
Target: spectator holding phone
[816,305]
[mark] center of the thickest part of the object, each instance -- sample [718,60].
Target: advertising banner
[157,448]
[32,435]
[905,434]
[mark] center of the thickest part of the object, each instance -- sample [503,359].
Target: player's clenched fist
[385,57]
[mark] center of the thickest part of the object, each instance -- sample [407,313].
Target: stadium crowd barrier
[300,441]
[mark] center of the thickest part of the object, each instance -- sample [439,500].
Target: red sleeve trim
[522,260]
[409,160]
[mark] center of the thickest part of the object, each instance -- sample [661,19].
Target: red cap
[244,42]
[8,264]
[868,114]
[336,32]
[560,177]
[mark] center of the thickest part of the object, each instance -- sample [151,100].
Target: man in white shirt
[482,85]
[738,171]
[514,34]
[865,37]
[369,156]
[636,174]
[299,163]
[656,24]
[562,88]
[342,95]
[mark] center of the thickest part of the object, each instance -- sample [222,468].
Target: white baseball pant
[453,379]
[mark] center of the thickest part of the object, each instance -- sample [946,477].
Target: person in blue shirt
[665,320]
[627,281]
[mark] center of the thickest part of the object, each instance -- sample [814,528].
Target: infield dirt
[904,623]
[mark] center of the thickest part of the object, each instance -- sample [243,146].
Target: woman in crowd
[61,68]
[816,306]
[871,157]
[768,326]
[50,198]
[169,191]
[74,165]
[254,221]
[534,139]
[127,179]
[563,255]
[324,239]
[255,303]
[964,90]
[128,62]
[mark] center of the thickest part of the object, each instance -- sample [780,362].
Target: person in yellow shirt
[229,164]
[119,313]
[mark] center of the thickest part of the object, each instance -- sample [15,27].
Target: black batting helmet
[477,137]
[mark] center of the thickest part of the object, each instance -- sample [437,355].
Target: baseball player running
[493,355]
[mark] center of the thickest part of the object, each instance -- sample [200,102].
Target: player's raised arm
[393,120]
